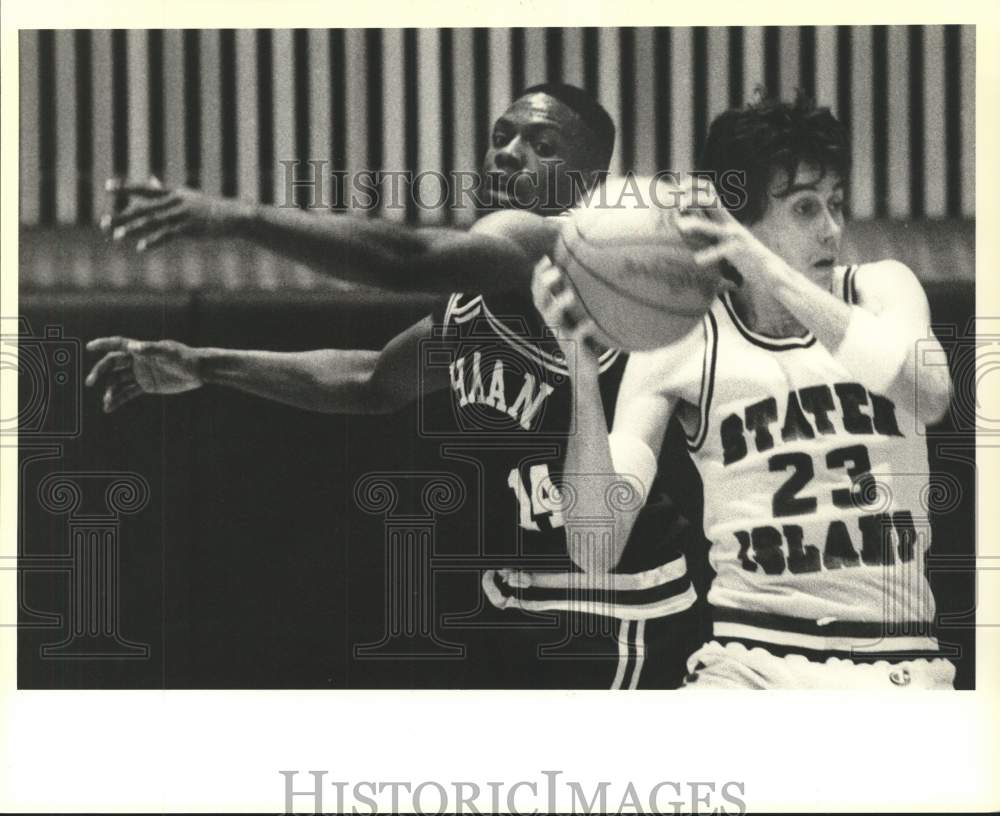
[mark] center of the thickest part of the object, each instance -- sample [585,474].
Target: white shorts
[733,666]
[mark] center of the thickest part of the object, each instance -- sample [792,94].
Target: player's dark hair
[768,136]
[590,112]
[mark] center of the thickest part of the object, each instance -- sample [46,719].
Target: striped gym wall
[221,110]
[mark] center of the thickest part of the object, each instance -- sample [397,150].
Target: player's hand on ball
[564,314]
[730,240]
[156,214]
[131,368]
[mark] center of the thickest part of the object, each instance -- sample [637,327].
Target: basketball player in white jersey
[507,381]
[804,395]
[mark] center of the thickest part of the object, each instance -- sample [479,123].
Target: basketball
[633,271]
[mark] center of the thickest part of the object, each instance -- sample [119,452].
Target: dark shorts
[562,650]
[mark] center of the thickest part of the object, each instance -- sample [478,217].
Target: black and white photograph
[506,359]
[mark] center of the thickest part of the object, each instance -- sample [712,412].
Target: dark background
[252,566]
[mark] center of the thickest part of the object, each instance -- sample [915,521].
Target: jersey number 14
[535,498]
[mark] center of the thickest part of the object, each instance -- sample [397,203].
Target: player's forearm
[590,474]
[380,253]
[327,380]
[891,362]
[819,311]
[342,246]
[829,318]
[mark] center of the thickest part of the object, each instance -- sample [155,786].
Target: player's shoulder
[884,282]
[884,274]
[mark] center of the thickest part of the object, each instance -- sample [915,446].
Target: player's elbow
[934,398]
[933,388]
[598,549]
[377,396]
[352,383]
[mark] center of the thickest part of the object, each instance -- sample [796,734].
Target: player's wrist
[582,363]
[775,270]
[239,218]
[210,365]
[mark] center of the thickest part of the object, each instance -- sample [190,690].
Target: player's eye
[806,207]
[500,138]
[544,149]
[837,206]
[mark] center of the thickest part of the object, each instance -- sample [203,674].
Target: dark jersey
[509,413]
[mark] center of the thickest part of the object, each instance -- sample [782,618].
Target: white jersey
[815,495]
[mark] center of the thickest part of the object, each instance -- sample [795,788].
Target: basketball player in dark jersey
[505,378]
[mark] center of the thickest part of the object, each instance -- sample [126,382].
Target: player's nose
[831,230]
[510,157]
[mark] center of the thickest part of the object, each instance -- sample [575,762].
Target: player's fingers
[149,224]
[584,329]
[550,314]
[713,254]
[731,276]
[544,286]
[121,222]
[569,306]
[551,281]
[141,190]
[699,193]
[726,285]
[691,225]
[116,343]
[566,299]
[515,578]
[137,347]
[718,214]
[112,361]
[117,396]
[136,227]
[552,276]
[121,378]
[161,236]
[554,316]
[568,312]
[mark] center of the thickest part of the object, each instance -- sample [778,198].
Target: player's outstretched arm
[497,254]
[347,381]
[130,368]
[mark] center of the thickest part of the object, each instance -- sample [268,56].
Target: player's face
[534,147]
[805,224]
